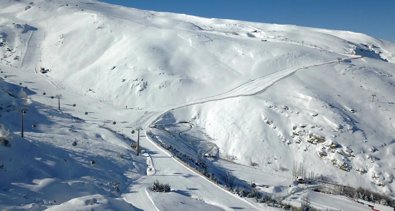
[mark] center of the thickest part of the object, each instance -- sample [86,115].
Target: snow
[325,201]
[177,201]
[93,202]
[251,99]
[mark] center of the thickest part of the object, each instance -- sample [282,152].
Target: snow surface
[325,201]
[259,98]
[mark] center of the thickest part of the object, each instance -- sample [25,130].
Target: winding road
[167,165]
[167,169]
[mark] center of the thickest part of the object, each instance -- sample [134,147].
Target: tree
[298,170]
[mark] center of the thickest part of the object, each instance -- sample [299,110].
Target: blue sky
[373,17]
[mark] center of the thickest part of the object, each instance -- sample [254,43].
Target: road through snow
[250,88]
[168,169]
[185,180]
[256,86]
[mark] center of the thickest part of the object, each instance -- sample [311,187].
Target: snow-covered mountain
[259,98]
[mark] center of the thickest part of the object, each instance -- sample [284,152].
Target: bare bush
[158,187]
[229,180]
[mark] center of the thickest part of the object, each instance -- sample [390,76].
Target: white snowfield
[257,98]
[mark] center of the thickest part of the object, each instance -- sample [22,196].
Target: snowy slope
[311,120]
[60,158]
[264,97]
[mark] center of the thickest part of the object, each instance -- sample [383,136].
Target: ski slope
[264,97]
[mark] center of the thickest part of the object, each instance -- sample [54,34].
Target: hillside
[257,100]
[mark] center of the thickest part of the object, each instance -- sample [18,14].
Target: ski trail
[26,47]
[32,53]
[247,89]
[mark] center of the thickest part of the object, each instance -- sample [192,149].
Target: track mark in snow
[250,88]
[151,200]
[26,49]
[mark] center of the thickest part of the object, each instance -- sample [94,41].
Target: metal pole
[22,112]
[59,102]
[138,142]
